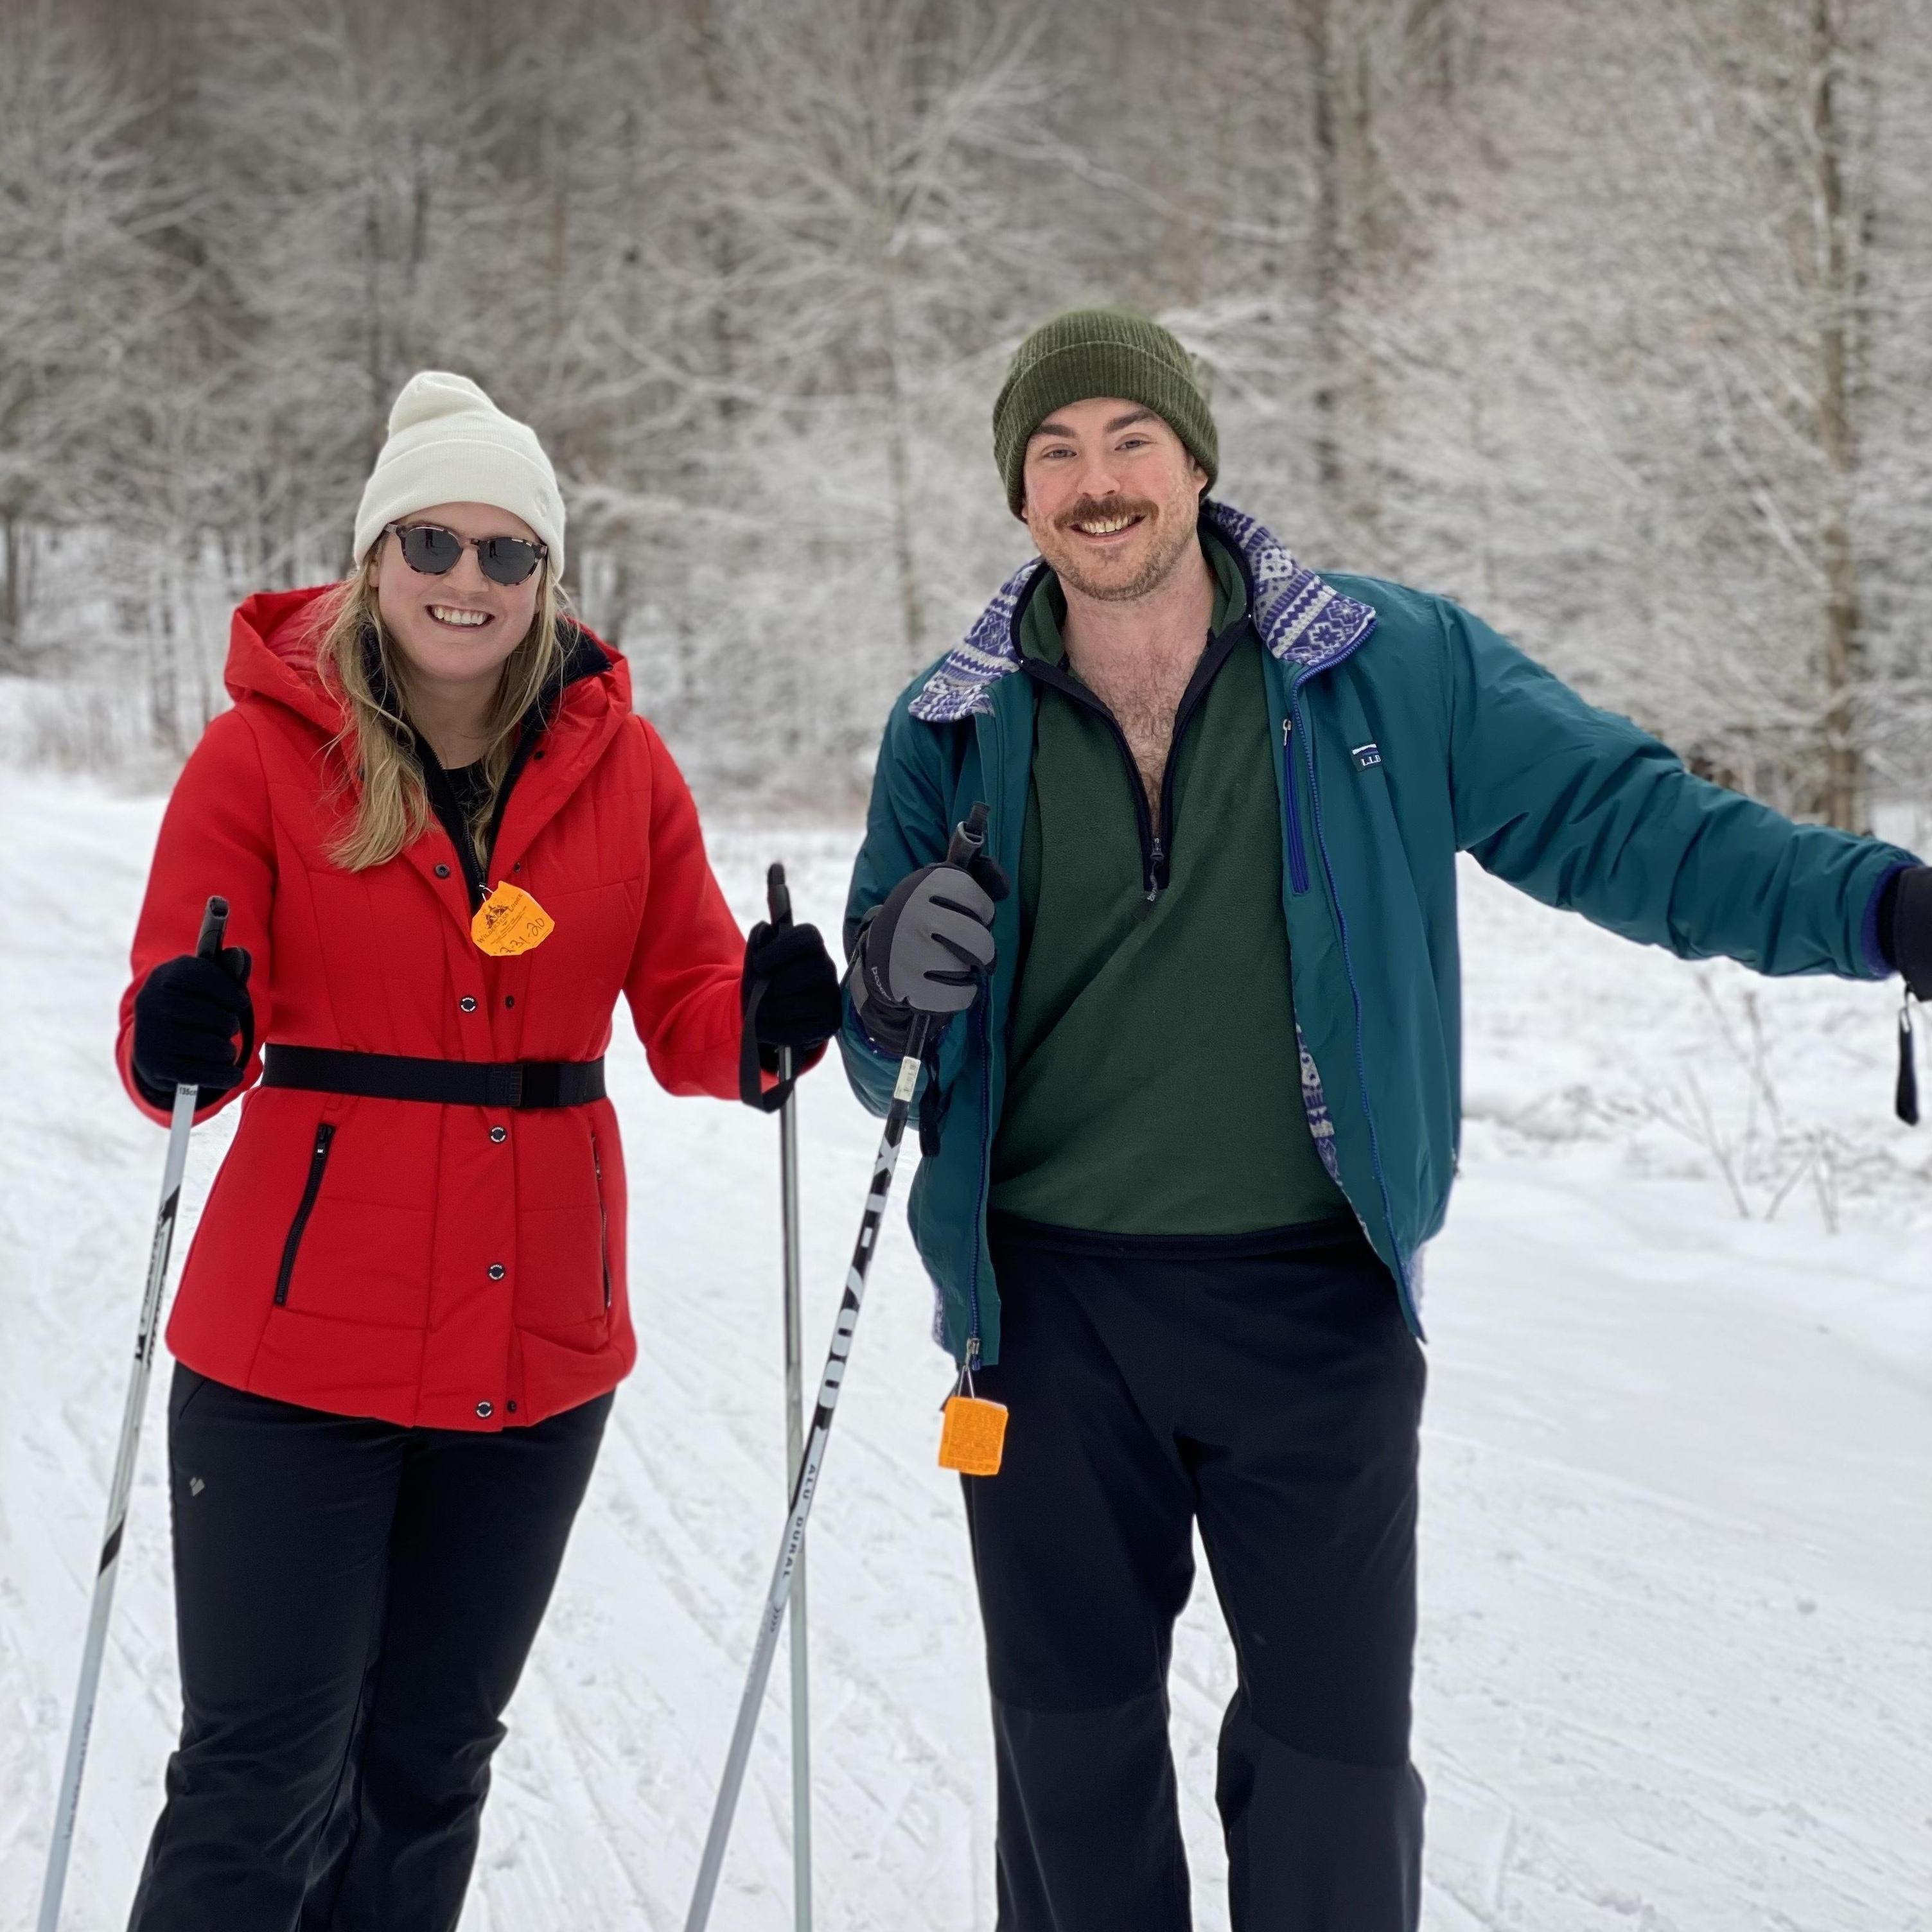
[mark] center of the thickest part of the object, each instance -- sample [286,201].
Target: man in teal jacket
[1185,1149]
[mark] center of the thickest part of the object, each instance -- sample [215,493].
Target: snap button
[509,999]
[512,1407]
[499,1133]
[495,1270]
[443,871]
[468,1004]
[485,1410]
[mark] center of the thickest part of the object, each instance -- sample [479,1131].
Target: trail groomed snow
[1675,1669]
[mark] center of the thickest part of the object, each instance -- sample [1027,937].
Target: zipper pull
[1156,868]
[962,1383]
[1907,1100]
[1287,730]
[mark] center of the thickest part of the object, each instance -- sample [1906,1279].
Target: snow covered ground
[1676,1671]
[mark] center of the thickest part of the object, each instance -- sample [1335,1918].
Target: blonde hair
[360,663]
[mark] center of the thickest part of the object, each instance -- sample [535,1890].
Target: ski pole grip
[751,1087]
[969,838]
[213,929]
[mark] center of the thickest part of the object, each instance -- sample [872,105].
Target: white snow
[1675,1670]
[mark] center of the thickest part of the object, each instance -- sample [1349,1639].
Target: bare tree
[1616,321]
[80,210]
[1786,102]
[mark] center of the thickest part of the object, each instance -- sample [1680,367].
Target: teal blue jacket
[1401,731]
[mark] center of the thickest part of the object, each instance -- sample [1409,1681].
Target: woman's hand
[800,1008]
[187,1015]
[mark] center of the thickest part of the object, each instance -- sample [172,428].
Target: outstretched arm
[1582,810]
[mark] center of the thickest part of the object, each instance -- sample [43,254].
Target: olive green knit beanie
[1098,352]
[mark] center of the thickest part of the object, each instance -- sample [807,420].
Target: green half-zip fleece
[1155,1084]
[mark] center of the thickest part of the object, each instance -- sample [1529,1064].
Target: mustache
[1091,508]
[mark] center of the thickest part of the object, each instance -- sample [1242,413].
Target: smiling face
[455,631]
[1113,497]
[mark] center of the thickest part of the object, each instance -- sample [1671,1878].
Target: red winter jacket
[461,1267]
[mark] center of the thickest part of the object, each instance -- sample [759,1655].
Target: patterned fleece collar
[1303,621]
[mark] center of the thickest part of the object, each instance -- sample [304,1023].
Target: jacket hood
[273,636]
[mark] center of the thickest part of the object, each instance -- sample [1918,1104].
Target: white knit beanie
[449,443]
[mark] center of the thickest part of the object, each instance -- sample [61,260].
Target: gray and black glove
[926,950]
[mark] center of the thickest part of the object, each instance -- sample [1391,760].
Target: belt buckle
[503,1085]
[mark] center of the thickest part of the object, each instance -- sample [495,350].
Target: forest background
[1611,322]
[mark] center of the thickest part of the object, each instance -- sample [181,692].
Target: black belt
[448,1083]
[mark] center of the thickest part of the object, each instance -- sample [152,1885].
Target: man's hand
[1906,928]
[926,950]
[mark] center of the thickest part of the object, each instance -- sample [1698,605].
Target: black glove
[926,949]
[186,1016]
[1905,927]
[799,1008]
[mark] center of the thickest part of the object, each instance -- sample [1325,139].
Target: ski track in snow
[1675,1667]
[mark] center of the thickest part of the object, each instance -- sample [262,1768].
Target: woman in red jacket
[405,1310]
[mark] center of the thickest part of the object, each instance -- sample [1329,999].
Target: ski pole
[778,897]
[968,840]
[214,925]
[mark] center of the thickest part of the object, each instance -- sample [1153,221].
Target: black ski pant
[1265,1388]
[354,1604]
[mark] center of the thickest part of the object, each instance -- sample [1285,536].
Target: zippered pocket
[1297,854]
[324,1134]
[603,1219]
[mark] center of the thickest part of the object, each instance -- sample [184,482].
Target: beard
[1173,529]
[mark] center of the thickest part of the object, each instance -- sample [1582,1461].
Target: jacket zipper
[1153,850]
[1214,654]
[1401,1270]
[319,1159]
[1297,855]
[986,1176]
[1156,838]
[442,801]
[994,780]
[603,1219]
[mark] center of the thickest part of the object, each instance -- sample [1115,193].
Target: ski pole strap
[933,1102]
[1906,1100]
[519,1084]
[752,1088]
